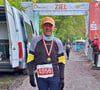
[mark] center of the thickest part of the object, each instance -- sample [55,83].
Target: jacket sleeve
[30,58]
[61,59]
[65,44]
[94,43]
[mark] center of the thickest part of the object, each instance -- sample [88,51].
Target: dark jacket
[96,44]
[38,56]
[67,44]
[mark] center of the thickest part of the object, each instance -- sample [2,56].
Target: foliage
[72,27]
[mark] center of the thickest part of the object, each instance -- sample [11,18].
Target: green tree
[72,27]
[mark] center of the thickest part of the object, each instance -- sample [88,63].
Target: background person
[95,47]
[68,47]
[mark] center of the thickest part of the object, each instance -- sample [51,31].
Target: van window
[29,32]
[32,26]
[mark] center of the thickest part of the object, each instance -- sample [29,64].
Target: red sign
[45,71]
[60,7]
[94,20]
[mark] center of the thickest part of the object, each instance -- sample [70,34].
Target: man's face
[95,37]
[47,29]
[68,40]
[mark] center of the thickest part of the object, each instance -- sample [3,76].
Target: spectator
[68,47]
[95,47]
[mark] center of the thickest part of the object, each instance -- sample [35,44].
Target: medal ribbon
[48,53]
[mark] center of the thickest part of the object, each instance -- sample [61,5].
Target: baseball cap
[48,20]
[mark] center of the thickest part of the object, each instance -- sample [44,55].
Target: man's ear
[41,26]
[54,27]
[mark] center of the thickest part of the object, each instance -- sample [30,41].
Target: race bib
[45,71]
[68,46]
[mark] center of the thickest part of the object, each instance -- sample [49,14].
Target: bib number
[45,71]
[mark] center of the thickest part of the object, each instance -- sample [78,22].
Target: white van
[16,30]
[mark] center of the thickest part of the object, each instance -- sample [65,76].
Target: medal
[48,59]
[48,53]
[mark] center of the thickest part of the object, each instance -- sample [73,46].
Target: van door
[29,29]
[13,43]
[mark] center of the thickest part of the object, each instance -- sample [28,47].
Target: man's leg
[42,84]
[68,51]
[96,58]
[54,83]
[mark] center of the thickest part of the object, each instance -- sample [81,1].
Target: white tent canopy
[80,40]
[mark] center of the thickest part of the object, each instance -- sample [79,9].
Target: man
[46,59]
[68,46]
[95,46]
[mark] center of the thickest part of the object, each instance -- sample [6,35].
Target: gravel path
[77,75]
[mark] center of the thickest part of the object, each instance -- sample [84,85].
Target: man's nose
[47,27]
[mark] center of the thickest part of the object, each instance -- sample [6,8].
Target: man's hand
[32,82]
[61,84]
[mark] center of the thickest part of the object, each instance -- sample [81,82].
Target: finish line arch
[64,9]
[92,22]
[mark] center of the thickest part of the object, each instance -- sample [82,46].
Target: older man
[46,59]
